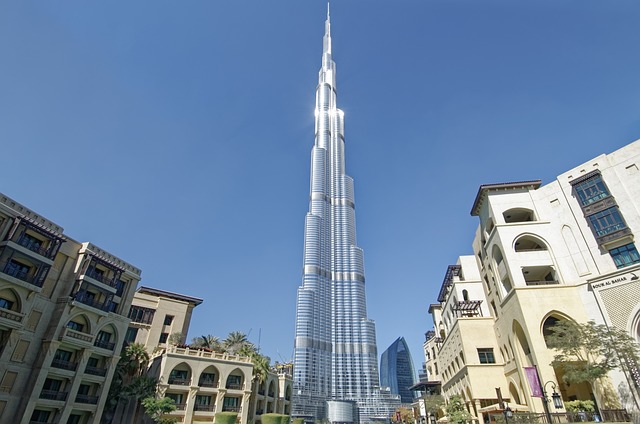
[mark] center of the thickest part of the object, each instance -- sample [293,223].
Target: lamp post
[555,396]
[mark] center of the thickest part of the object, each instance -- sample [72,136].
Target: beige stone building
[63,318]
[201,382]
[565,250]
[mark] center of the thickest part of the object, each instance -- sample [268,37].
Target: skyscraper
[335,354]
[396,370]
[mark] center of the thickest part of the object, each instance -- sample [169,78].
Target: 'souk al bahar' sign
[616,280]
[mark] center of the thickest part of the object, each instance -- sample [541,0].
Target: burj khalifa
[335,354]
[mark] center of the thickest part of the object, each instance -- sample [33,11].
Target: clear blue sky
[177,135]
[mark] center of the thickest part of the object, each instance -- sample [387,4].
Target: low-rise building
[562,251]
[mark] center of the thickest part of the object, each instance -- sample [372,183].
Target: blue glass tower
[396,370]
[335,354]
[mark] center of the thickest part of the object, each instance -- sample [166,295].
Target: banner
[534,381]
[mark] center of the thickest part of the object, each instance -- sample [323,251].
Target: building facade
[562,251]
[63,318]
[335,354]
[200,381]
[396,370]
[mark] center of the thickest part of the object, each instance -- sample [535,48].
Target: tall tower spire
[335,353]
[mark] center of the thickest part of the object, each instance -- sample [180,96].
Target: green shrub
[284,419]
[298,421]
[226,417]
[580,405]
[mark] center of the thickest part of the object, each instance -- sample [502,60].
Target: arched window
[546,327]
[518,215]
[528,243]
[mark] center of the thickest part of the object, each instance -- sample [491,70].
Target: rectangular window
[607,221]
[7,381]
[486,356]
[52,384]
[591,190]
[203,400]
[63,355]
[164,337]
[230,401]
[176,397]
[141,315]
[131,335]
[168,319]
[34,319]
[20,351]
[40,416]
[625,255]
[17,269]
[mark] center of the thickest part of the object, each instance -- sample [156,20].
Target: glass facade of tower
[396,370]
[335,355]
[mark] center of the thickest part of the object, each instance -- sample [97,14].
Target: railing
[191,351]
[234,386]
[104,344]
[271,394]
[65,365]
[85,299]
[180,406]
[542,282]
[87,399]
[180,381]
[615,415]
[10,315]
[34,247]
[226,408]
[207,383]
[21,274]
[100,277]
[96,371]
[78,335]
[205,408]
[53,395]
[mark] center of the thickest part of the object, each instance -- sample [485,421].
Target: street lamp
[508,413]
[555,396]
[432,418]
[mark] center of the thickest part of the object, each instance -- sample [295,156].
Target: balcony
[204,408]
[90,300]
[53,395]
[93,400]
[100,277]
[227,408]
[35,279]
[104,344]
[10,318]
[180,406]
[101,372]
[76,336]
[180,381]
[542,282]
[34,245]
[64,365]
[208,383]
[234,386]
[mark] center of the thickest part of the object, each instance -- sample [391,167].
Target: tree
[155,408]
[235,341]
[587,352]
[433,404]
[403,415]
[457,411]
[208,342]
[176,338]
[261,366]
[129,384]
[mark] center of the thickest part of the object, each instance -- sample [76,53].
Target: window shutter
[20,351]
[34,319]
[7,381]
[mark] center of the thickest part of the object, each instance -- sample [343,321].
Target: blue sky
[177,135]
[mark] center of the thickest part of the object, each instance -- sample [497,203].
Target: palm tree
[261,367]
[208,342]
[235,341]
